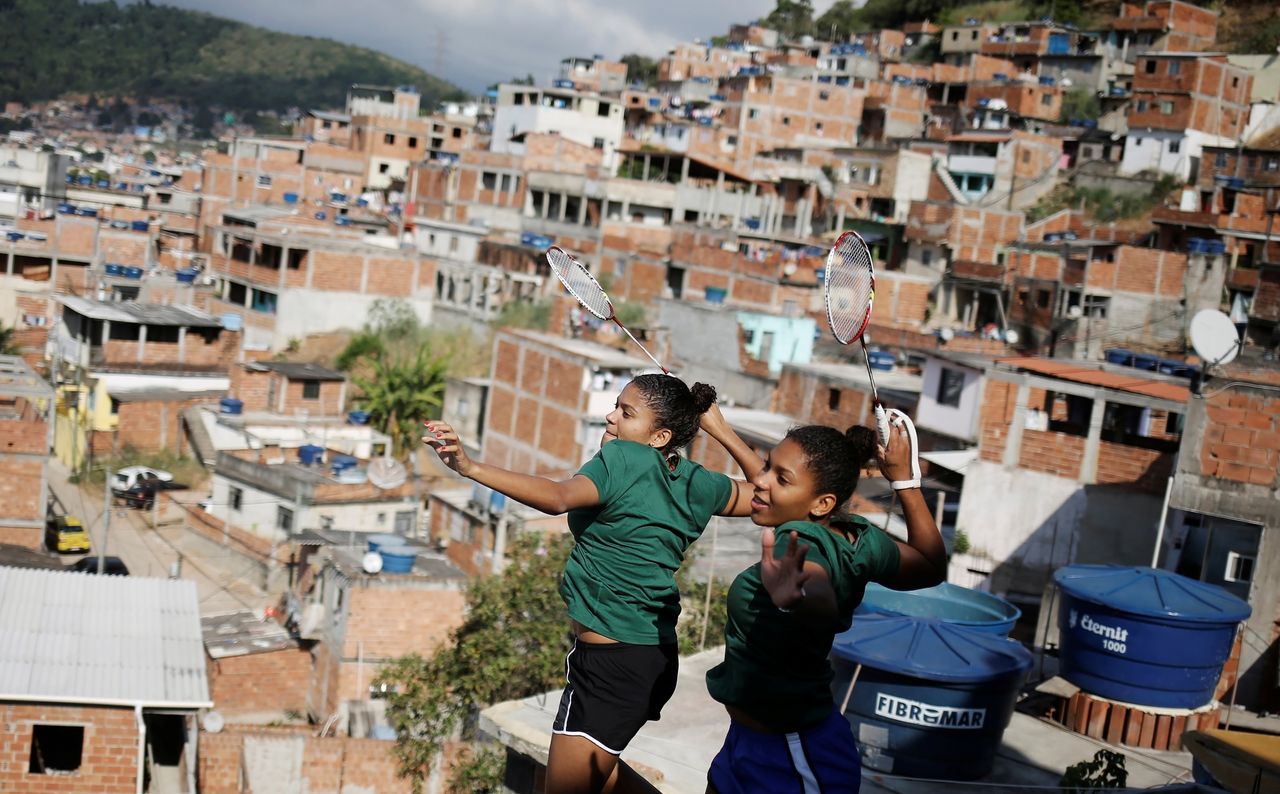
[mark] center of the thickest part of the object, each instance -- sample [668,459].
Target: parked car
[65,533]
[111,566]
[143,492]
[126,478]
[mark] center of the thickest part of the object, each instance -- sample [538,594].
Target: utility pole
[106,520]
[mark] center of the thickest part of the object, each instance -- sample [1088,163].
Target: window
[1149,67]
[55,749]
[264,180]
[597,143]
[824,95]
[1026,155]
[1235,82]
[833,399]
[311,390]
[488,181]
[284,519]
[1142,106]
[1046,99]
[1042,298]
[786,121]
[413,143]
[926,257]
[955,35]
[1175,147]
[817,127]
[388,138]
[1220,160]
[950,386]
[1239,568]
[1273,163]
[457,132]
[383,167]
[115,407]
[506,183]
[1174,68]
[1166,108]
[753,113]
[603,109]
[236,498]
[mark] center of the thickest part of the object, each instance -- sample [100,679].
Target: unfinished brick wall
[330,765]
[258,683]
[1241,441]
[153,425]
[1145,469]
[810,399]
[997,411]
[290,400]
[108,762]
[251,387]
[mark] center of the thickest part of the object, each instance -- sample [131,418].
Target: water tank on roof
[139,226]
[341,463]
[358,417]
[959,606]
[376,542]
[1118,355]
[310,454]
[932,699]
[397,558]
[882,360]
[1144,361]
[230,405]
[1143,635]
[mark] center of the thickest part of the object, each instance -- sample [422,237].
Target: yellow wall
[76,417]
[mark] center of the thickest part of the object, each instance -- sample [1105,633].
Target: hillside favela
[485,398]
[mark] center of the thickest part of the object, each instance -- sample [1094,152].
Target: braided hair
[835,459]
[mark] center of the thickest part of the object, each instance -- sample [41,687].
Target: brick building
[257,671]
[261,758]
[1073,461]
[26,434]
[1181,103]
[475,526]
[548,398]
[70,727]
[839,395]
[288,388]
[1169,25]
[1223,517]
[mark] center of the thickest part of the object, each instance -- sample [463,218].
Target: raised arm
[923,558]
[541,493]
[714,424]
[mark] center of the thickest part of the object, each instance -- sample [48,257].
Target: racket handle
[900,418]
[882,424]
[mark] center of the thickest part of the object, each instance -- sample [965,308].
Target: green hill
[51,47]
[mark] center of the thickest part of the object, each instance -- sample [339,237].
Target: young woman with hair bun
[786,735]
[633,510]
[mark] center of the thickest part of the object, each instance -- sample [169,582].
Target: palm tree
[400,392]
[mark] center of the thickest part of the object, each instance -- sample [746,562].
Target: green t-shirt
[620,579]
[775,666]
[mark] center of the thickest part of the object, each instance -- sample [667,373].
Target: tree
[8,344]
[838,22]
[1080,103]
[640,68]
[791,18]
[511,645]
[400,392]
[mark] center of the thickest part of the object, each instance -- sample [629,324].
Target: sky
[489,41]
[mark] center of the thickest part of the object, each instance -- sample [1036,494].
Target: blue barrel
[230,405]
[1143,635]
[133,272]
[310,454]
[290,198]
[959,606]
[14,237]
[358,417]
[113,270]
[87,212]
[1144,361]
[66,209]
[186,276]
[1118,355]
[376,542]
[932,699]
[715,294]
[341,463]
[397,559]
[881,360]
[139,226]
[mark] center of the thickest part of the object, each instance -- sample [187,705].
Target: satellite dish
[213,722]
[371,562]
[946,334]
[386,473]
[1011,337]
[1214,337]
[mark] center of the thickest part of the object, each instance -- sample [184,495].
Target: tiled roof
[1132,380]
[68,636]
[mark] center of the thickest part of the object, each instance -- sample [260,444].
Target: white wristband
[902,485]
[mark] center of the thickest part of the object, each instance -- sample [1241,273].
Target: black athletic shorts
[613,689]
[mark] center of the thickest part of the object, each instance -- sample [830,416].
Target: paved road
[156,551]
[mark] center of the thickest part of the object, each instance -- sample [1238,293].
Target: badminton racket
[582,285]
[850,288]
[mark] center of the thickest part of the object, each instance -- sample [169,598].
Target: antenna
[1214,338]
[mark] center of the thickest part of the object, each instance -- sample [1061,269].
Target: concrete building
[584,117]
[30,180]
[475,526]
[72,728]
[26,422]
[289,388]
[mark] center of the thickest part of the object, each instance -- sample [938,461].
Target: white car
[126,478]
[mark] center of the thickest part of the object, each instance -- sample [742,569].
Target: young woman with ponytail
[786,735]
[633,509]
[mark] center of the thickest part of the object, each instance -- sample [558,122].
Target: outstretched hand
[783,578]
[444,440]
[895,457]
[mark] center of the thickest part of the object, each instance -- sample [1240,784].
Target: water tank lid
[931,649]
[1151,592]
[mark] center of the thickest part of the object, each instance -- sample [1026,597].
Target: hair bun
[864,442]
[704,396]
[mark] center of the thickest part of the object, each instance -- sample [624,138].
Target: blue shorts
[820,760]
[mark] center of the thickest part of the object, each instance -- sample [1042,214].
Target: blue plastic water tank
[341,463]
[397,558]
[959,606]
[290,198]
[932,699]
[1143,635]
[1118,355]
[139,226]
[376,542]
[310,454]
[1144,361]
[230,405]
[185,276]
[358,417]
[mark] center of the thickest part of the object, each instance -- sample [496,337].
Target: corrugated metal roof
[66,635]
[241,633]
[1136,383]
[143,313]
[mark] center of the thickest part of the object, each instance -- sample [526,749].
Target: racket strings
[575,278]
[850,288]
